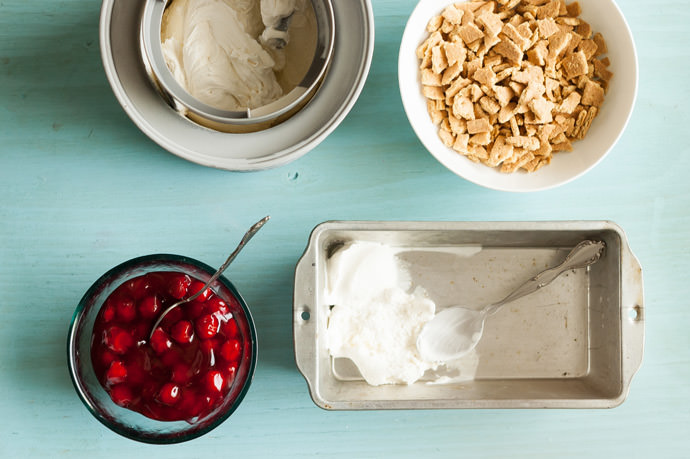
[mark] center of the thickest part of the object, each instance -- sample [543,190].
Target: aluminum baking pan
[575,344]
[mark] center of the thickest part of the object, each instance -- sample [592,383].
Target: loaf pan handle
[305,317]
[632,314]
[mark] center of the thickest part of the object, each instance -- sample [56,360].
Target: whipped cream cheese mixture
[230,54]
[375,319]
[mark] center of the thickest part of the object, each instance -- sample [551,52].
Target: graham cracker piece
[451,73]
[433,92]
[542,110]
[574,9]
[531,74]
[438,59]
[550,10]
[575,64]
[489,105]
[601,44]
[491,23]
[584,29]
[503,95]
[433,40]
[455,52]
[430,78]
[461,143]
[515,36]
[456,86]
[446,137]
[593,94]
[470,33]
[569,104]
[600,71]
[485,76]
[463,108]
[457,126]
[500,151]
[452,14]
[480,125]
[508,49]
[528,143]
[507,113]
[538,54]
[481,138]
[434,24]
[547,27]
[558,44]
[589,48]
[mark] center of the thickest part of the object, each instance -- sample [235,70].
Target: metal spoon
[247,236]
[276,16]
[455,331]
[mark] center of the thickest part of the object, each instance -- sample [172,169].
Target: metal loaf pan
[574,344]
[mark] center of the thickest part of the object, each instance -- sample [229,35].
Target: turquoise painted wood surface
[83,189]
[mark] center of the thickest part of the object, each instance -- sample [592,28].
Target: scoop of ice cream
[213,51]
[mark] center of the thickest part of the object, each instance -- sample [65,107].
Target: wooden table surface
[83,190]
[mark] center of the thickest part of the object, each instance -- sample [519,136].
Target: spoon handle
[582,255]
[247,236]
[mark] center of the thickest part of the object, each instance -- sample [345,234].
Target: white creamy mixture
[215,49]
[375,320]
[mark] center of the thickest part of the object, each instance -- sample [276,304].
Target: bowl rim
[498,185]
[152,52]
[71,350]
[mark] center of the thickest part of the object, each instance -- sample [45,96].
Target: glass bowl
[132,424]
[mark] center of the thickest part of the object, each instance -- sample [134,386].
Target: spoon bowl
[455,331]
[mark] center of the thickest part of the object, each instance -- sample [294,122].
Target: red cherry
[149,307]
[231,328]
[169,394]
[160,341]
[178,286]
[107,357]
[197,286]
[117,373]
[140,287]
[215,304]
[117,340]
[214,382]
[230,350]
[108,313]
[207,326]
[126,310]
[122,395]
[181,373]
[182,332]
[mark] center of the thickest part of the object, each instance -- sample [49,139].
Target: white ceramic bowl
[605,17]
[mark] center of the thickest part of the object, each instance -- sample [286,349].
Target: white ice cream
[375,320]
[215,51]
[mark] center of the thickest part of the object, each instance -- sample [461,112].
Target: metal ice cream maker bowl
[249,120]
